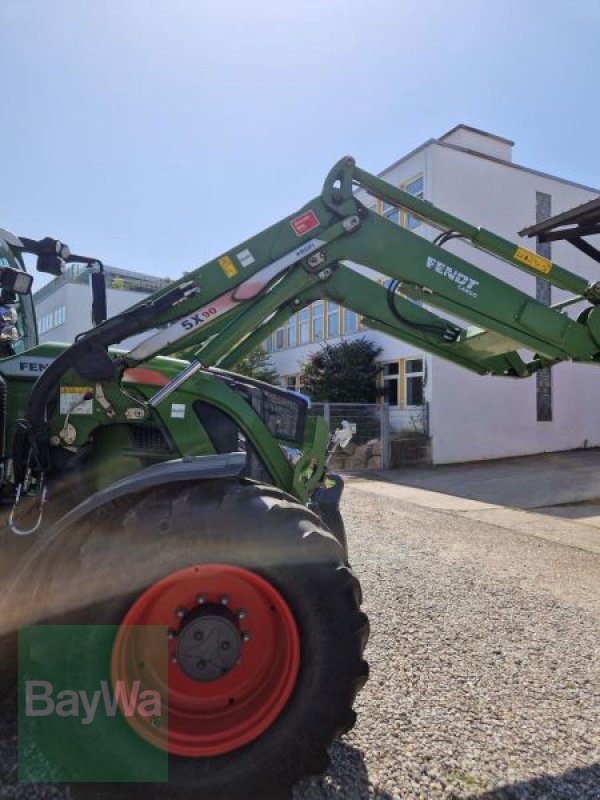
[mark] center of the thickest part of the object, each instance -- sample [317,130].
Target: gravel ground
[484,652]
[485,680]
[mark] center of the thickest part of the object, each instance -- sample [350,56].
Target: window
[317,321]
[414,381]
[304,326]
[402,382]
[391,212]
[414,187]
[291,331]
[350,321]
[52,320]
[390,376]
[322,320]
[291,382]
[333,319]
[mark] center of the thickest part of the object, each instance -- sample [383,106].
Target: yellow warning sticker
[532,260]
[227,266]
[76,400]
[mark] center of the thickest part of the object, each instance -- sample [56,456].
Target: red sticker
[305,223]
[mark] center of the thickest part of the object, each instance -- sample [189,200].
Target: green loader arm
[220,311]
[248,292]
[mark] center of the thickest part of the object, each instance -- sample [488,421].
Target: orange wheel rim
[233,655]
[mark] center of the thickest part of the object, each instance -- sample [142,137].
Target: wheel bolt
[245,636]
[201,599]
[174,659]
[172,634]
[241,614]
[224,600]
[181,612]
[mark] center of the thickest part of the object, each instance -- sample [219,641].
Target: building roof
[463,127]
[116,278]
[440,142]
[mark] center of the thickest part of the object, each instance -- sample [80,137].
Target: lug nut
[201,599]
[245,636]
[224,600]
[181,612]
[172,634]
[241,614]
[174,659]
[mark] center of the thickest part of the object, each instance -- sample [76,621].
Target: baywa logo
[85,708]
[41,701]
[464,282]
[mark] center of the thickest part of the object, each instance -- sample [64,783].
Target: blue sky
[155,134]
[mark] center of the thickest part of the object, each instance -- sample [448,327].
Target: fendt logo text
[41,702]
[464,283]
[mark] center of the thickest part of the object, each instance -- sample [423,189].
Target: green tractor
[145,490]
[210,514]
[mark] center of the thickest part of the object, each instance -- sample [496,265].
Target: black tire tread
[310,543]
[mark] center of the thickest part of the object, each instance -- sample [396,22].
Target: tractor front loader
[142,489]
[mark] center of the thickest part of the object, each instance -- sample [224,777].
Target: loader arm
[245,294]
[220,311]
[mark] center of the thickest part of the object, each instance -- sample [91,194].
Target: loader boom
[247,292]
[218,312]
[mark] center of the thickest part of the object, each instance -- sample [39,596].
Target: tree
[257,364]
[342,373]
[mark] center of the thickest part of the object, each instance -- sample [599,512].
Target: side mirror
[51,254]
[98,284]
[50,263]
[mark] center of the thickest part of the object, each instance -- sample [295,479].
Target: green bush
[342,373]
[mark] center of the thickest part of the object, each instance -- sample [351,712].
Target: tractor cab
[18,331]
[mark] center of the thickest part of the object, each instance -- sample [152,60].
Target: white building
[63,306]
[470,173]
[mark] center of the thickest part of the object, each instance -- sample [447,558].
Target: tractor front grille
[283,413]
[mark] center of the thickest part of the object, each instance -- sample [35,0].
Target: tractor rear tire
[107,561]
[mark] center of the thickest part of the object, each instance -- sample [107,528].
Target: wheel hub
[208,644]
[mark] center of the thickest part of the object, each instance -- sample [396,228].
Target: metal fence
[410,421]
[377,426]
[115,279]
[370,445]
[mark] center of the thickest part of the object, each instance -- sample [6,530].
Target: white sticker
[72,402]
[177,410]
[245,258]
